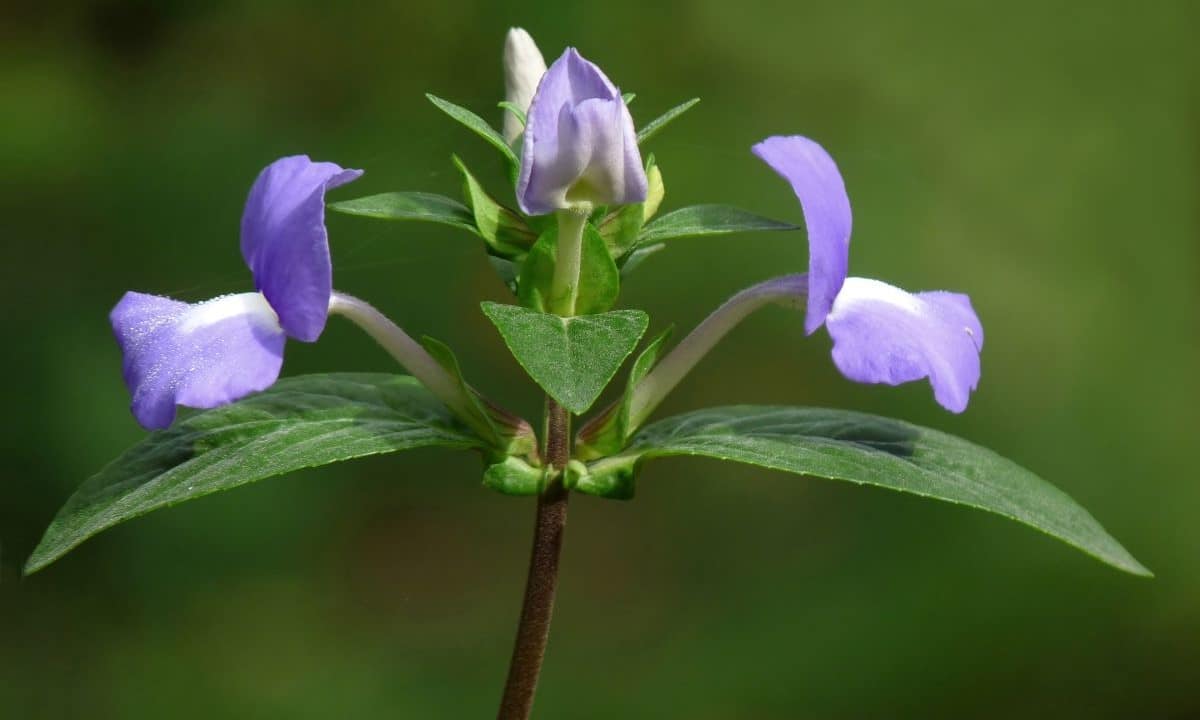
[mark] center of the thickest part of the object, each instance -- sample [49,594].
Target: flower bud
[523,70]
[580,148]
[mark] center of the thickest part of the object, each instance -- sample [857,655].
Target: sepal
[611,478]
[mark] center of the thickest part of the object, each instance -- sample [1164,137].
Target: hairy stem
[534,628]
[564,286]
[683,357]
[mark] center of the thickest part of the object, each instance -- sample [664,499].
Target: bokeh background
[1042,156]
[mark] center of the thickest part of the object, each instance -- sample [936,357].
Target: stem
[534,628]
[564,286]
[675,366]
[409,353]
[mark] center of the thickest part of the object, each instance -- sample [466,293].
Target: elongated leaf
[634,259]
[573,358]
[476,124]
[700,220]
[510,434]
[513,108]
[870,450]
[660,122]
[502,229]
[426,207]
[301,422]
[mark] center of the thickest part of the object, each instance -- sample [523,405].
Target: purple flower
[580,148]
[881,334]
[211,353]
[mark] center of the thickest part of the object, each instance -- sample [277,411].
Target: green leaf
[503,230]
[699,220]
[476,124]
[870,450]
[513,108]
[300,422]
[620,228]
[628,97]
[608,433]
[599,279]
[634,259]
[410,206]
[660,122]
[572,358]
[507,433]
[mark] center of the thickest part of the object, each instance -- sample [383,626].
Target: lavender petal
[580,146]
[199,355]
[882,334]
[285,244]
[818,185]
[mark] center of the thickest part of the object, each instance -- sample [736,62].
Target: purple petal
[201,355]
[882,334]
[285,244]
[580,145]
[818,185]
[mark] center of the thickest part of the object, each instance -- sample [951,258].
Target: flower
[211,353]
[523,70]
[580,148]
[881,334]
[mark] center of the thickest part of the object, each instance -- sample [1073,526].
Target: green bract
[571,358]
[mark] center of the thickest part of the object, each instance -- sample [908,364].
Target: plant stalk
[564,285]
[534,628]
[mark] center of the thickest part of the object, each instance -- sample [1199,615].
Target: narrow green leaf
[503,230]
[507,434]
[699,220]
[628,97]
[476,124]
[301,422]
[426,207]
[599,281]
[573,358]
[870,450]
[634,259]
[660,122]
[517,112]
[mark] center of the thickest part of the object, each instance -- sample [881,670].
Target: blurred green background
[1041,156]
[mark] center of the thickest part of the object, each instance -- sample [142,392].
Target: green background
[1041,156]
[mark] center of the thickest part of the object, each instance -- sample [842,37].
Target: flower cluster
[579,157]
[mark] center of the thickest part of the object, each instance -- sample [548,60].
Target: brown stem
[534,628]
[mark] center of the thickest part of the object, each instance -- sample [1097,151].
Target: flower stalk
[564,287]
[655,387]
[416,360]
